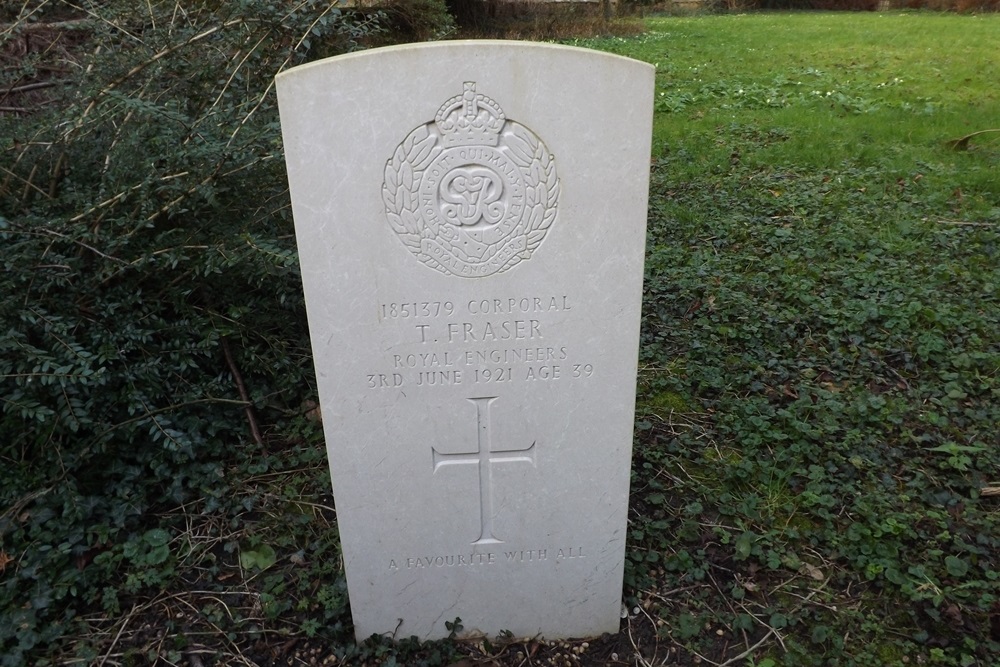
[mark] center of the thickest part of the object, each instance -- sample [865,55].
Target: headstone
[470,218]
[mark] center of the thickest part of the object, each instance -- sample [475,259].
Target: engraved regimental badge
[471,193]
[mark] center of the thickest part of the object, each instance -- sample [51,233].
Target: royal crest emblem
[471,193]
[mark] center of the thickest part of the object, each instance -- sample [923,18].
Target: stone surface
[471,223]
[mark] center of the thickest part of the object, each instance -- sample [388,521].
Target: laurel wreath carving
[542,185]
[401,171]
[405,169]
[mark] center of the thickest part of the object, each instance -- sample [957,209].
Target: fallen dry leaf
[812,571]
[312,411]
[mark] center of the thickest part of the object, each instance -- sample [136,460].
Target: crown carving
[470,119]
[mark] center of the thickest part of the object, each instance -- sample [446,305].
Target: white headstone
[470,220]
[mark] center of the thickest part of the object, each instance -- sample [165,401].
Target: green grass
[821,340]
[885,90]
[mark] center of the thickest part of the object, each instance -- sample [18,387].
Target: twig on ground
[244,394]
[121,629]
[747,653]
[663,596]
[725,597]
[806,599]
[638,654]
[300,502]
[963,143]
[699,655]
[771,630]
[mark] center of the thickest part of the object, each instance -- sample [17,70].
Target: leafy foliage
[842,365]
[819,401]
[153,299]
[418,19]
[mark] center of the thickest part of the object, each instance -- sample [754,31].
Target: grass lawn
[820,397]
[817,457]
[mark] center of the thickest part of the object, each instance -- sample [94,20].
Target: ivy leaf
[260,558]
[157,537]
[744,545]
[157,555]
[957,567]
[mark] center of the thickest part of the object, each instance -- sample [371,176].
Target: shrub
[418,20]
[153,313]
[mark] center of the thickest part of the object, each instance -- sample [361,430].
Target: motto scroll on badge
[471,193]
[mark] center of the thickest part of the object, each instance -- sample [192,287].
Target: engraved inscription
[416,309]
[526,556]
[471,193]
[508,306]
[484,457]
[479,341]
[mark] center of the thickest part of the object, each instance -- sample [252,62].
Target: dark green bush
[418,19]
[152,307]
